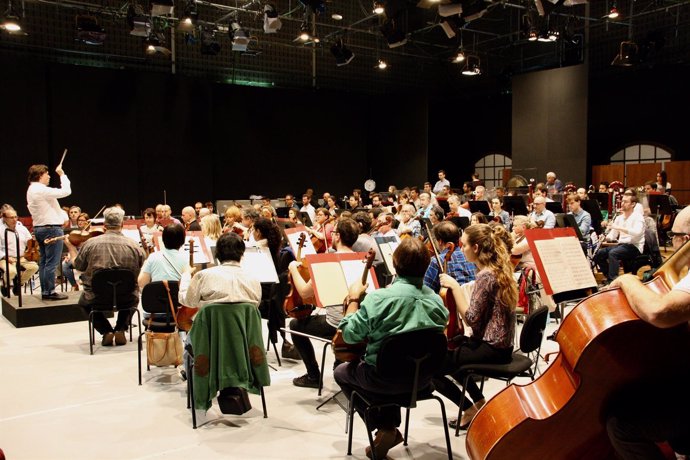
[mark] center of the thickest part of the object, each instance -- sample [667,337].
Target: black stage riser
[36,312]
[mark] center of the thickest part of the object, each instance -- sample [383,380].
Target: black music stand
[515,205]
[568,220]
[592,207]
[554,206]
[461,222]
[480,206]
[282,212]
[659,204]
[601,198]
[443,202]
[304,217]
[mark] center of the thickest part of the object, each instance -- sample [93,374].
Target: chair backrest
[154,297]
[533,330]
[114,287]
[397,355]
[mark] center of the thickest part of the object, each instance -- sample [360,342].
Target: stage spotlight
[240,37]
[628,54]
[209,44]
[11,20]
[342,54]
[189,19]
[394,33]
[472,66]
[459,57]
[381,64]
[162,8]
[272,22]
[155,44]
[379,8]
[138,22]
[613,11]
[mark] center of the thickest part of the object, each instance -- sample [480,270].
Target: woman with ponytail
[489,313]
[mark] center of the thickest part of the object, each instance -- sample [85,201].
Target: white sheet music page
[308,247]
[199,255]
[353,269]
[329,278]
[565,264]
[259,264]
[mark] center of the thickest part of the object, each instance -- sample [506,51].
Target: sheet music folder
[332,274]
[258,264]
[559,259]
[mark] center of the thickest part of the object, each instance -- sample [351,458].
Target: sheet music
[386,248]
[352,269]
[259,264]
[200,256]
[308,247]
[565,264]
[330,278]
[132,235]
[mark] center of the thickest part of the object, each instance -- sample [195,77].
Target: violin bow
[94,217]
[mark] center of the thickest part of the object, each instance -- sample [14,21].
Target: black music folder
[515,205]
[554,206]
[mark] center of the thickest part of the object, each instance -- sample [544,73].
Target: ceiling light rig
[472,66]
[381,65]
[272,22]
[189,19]
[379,8]
[11,19]
[343,55]
[89,31]
[613,11]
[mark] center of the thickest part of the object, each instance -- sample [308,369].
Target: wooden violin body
[293,305]
[604,348]
[32,253]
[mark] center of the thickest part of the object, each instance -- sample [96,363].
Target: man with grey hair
[109,250]
[553,185]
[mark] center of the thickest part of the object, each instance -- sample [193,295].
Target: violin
[185,314]
[604,348]
[320,244]
[32,253]
[148,249]
[76,237]
[342,350]
[515,259]
[293,305]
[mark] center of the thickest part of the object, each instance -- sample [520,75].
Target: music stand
[443,202]
[568,220]
[601,198]
[592,207]
[554,206]
[480,206]
[515,205]
[282,212]
[461,222]
[304,217]
[659,204]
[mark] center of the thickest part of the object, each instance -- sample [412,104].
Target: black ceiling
[496,32]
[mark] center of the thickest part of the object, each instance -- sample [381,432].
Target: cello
[185,314]
[294,305]
[604,348]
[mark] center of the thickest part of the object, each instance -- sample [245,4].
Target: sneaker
[306,381]
[385,440]
[108,339]
[120,338]
[54,296]
[289,351]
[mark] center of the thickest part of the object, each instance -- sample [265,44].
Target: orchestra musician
[48,220]
[582,218]
[198,206]
[167,217]
[290,201]
[11,222]
[635,429]
[67,267]
[478,218]
[628,231]
[427,189]
[414,197]
[364,240]
[424,208]
[189,219]
[489,313]
[210,228]
[405,306]
[319,324]
[110,250]
[521,247]
[308,208]
[231,221]
[249,216]
[458,266]
[498,212]
[553,184]
[436,215]
[441,182]
[168,263]
[332,206]
[73,216]
[456,210]
[541,216]
[408,224]
[293,217]
[322,230]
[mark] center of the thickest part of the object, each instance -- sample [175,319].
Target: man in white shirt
[628,231]
[48,219]
[308,208]
[438,187]
[28,268]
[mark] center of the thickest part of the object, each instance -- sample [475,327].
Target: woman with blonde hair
[490,314]
[210,227]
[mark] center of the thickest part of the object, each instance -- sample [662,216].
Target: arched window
[490,168]
[641,153]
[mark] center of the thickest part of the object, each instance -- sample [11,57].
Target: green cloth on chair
[228,351]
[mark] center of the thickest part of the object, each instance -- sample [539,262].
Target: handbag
[234,400]
[164,348]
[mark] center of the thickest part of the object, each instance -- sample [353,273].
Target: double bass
[604,348]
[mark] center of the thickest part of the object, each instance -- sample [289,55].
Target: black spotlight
[342,54]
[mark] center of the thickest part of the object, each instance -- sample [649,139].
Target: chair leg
[190,391]
[91,332]
[263,402]
[323,364]
[445,426]
[277,354]
[462,402]
[139,347]
[407,425]
[351,416]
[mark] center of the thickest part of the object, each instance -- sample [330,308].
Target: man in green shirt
[405,306]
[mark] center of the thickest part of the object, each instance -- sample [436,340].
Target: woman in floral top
[490,313]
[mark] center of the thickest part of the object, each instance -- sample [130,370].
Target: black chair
[241,319]
[113,289]
[154,300]
[523,364]
[412,357]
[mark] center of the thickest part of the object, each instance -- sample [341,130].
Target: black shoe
[289,351]
[16,289]
[306,382]
[54,296]
[5,292]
